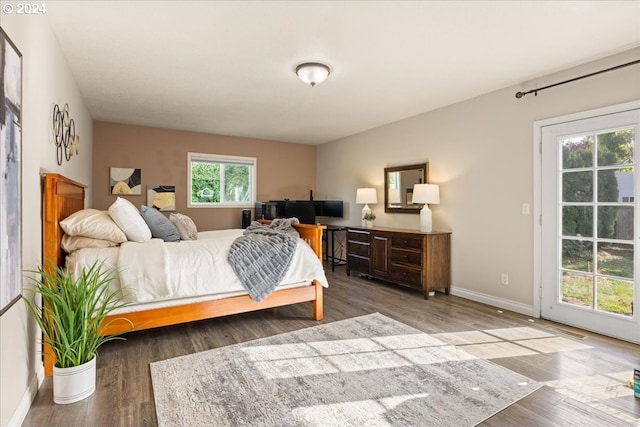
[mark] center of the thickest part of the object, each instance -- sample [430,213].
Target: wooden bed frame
[62,197]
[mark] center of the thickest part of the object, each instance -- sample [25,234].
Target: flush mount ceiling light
[313,72]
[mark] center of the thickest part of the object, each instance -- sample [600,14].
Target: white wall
[480,151]
[46,80]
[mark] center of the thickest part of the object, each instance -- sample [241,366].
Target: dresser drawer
[407,276]
[358,264]
[400,256]
[359,236]
[356,248]
[405,242]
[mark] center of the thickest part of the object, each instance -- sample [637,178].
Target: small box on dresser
[412,258]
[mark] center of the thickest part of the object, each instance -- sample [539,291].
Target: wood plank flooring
[124,395]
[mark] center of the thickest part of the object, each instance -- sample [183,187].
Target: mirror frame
[425,179]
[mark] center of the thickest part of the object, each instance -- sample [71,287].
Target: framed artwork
[125,181]
[10,173]
[162,197]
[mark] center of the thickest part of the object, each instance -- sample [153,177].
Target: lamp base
[365,210]
[426,219]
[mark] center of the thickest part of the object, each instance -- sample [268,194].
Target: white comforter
[157,271]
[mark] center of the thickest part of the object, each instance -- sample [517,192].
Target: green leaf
[73,310]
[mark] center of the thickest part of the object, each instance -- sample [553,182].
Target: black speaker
[246,218]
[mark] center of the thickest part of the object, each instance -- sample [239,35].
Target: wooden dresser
[412,258]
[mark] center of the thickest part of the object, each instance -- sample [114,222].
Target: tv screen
[331,208]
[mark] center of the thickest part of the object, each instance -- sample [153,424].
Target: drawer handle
[404,256]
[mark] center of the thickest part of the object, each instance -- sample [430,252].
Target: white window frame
[219,158]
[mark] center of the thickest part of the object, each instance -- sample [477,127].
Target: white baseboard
[505,304]
[27,398]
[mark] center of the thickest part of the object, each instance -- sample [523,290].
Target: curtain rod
[535,91]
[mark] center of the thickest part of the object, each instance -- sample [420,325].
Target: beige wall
[481,153]
[285,170]
[46,80]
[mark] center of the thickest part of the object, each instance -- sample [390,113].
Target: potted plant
[368,218]
[71,318]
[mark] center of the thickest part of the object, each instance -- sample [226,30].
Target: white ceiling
[227,67]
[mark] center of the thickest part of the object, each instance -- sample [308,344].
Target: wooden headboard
[61,198]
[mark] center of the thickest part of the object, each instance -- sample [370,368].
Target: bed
[63,197]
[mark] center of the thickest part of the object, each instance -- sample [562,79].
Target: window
[221,181]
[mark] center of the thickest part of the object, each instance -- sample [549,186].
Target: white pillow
[185,226]
[94,224]
[128,218]
[74,243]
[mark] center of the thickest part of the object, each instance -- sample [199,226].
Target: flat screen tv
[328,208]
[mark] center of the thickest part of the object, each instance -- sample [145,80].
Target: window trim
[220,158]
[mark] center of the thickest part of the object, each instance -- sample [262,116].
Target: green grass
[613,295]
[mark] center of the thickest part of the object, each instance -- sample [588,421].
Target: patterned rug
[365,371]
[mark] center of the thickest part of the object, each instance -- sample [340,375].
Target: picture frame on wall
[10,173]
[125,181]
[162,197]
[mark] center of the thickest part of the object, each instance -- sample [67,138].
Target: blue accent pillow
[159,224]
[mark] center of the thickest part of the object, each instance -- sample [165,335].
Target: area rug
[365,371]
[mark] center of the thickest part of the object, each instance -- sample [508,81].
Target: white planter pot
[368,224]
[74,384]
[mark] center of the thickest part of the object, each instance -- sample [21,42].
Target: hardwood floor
[584,373]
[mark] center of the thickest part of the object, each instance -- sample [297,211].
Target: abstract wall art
[10,173]
[162,197]
[125,181]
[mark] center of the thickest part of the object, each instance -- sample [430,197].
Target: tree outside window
[221,181]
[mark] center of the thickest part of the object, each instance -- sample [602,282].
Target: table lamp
[366,196]
[426,193]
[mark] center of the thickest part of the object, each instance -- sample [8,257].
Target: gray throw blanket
[261,256]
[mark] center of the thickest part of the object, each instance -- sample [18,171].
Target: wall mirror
[398,187]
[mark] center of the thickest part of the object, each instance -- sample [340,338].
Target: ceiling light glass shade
[312,72]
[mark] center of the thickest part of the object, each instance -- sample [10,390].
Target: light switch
[526,210]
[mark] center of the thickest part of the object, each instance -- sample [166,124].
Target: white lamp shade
[394,196]
[312,73]
[366,195]
[426,193]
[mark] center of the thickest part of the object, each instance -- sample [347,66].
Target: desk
[329,236]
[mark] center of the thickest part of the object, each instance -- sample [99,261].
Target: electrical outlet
[504,279]
[526,209]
